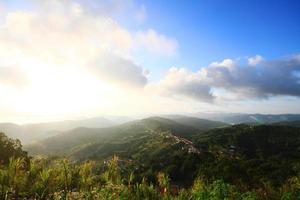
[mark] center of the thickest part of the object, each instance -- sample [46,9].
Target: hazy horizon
[200,115]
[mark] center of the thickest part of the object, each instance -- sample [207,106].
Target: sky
[67,59]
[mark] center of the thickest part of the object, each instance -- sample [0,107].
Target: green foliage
[61,179]
[85,174]
[151,159]
[78,143]
[251,155]
[10,148]
[163,180]
[266,153]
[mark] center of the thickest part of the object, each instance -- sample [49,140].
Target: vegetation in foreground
[60,179]
[238,162]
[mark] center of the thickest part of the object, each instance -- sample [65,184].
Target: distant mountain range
[32,132]
[201,124]
[238,118]
[76,141]
[28,133]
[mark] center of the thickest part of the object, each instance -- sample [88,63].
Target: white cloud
[64,33]
[119,70]
[156,43]
[270,78]
[233,80]
[180,82]
[255,60]
[227,63]
[73,57]
[77,58]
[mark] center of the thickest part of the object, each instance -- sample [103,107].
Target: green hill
[65,143]
[226,168]
[201,124]
[289,123]
[252,155]
[240,154]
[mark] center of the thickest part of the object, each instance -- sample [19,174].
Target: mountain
[255,141]
[31,132]
[247,155]
[261,159]
[289,123]
[250,154]
[238,118]
[201,124]
[152,144]
[68,142]
[28,133]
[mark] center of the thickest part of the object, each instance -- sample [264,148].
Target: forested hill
[289,123]
[260,141]
[201,124]
[261,158]
[239,153]
[66,142]
[252,155]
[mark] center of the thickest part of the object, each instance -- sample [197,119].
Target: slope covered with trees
[289,123]
[262,161]
[252,155]
[240,154]
[201,124]
[65,143]
[116,178]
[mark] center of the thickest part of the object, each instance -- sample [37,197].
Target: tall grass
[64,180]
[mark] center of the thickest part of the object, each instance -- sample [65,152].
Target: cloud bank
[119,70]
[182,82]
[256,78]
[66,33]
[69,57]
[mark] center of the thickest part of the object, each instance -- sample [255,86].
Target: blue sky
[146,56]
[211,30]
